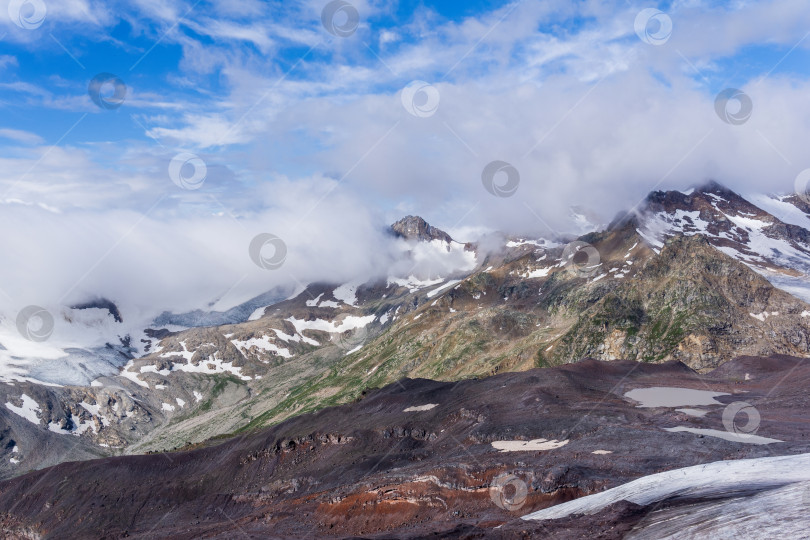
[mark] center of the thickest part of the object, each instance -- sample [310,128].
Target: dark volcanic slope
[371,469]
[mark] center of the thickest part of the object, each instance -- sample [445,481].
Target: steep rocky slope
[688,303]
[775,244]
[419,457]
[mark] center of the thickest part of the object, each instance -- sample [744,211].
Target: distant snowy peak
[251,309]
[730,223]
[712,200]
[416,228]
[66,345]
[770,237]
[428,255]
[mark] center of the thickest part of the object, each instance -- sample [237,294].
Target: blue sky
[158,55]
[313,135]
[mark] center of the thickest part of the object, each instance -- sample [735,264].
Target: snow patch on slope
[783,210]
[437,290]
[347,293]
[412,283]
[262,344]
[351,322]
[700,481]
[528,446]
[30,409]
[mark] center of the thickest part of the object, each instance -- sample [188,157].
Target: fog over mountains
[369,269]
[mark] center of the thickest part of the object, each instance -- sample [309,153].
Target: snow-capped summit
[776,248]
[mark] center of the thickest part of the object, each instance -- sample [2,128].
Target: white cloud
[165,260]
[71,13]
[226,30]
[21,136]
[612,117]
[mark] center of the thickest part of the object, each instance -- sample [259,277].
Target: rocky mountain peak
[707,194]
[733,225]
[416,228]
[101,303]
[712,186]
[710,198]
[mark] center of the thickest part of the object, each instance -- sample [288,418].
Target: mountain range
[394,405]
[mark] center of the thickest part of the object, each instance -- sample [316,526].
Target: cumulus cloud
[602,145]
[306,137]
[151,261]
[21,136]
[589,115]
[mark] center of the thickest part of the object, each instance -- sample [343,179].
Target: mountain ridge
[530,303]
